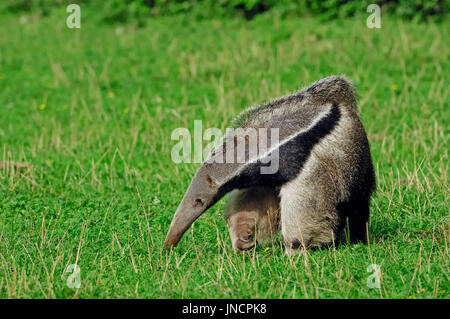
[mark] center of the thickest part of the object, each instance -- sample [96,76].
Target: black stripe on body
[292,156]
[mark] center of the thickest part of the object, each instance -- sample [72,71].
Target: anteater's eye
[198,202]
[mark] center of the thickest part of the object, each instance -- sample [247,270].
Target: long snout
[187,213]
[181,221]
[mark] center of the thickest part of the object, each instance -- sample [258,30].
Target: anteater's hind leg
[356,209]
[357,222]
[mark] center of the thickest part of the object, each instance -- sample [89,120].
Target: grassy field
[93,110]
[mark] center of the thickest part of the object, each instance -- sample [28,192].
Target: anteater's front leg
[252,216]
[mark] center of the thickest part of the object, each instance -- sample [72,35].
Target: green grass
[93,109]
